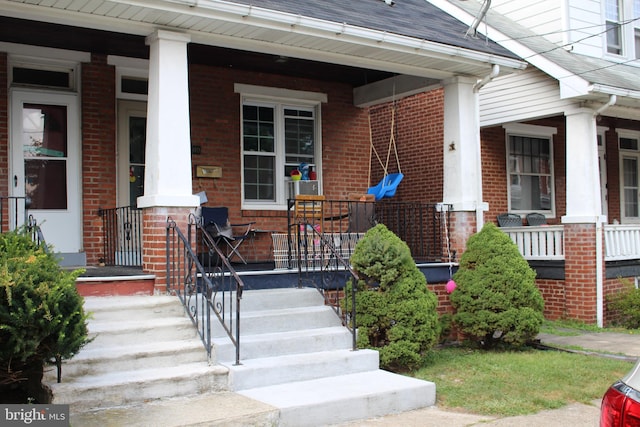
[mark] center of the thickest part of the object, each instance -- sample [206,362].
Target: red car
[621,403]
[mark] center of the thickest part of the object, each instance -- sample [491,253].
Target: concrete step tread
[109,303]
[116,378]
[277,336]
[335,389]
[311,309]
[96,327]
[137,349]
[288,359]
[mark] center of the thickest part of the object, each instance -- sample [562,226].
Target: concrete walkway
[233,410]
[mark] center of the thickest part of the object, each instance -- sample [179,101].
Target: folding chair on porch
[216,222]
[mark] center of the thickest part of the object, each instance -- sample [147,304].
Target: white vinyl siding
[520,96]
[584,18]
[542,17]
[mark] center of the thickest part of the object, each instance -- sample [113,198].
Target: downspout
[599,246]
[495,70]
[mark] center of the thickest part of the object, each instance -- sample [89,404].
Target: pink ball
[451,286]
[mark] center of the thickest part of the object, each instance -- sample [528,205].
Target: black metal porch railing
[425,227]
[204,280]
[122,236]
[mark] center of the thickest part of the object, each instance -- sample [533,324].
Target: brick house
[561,138]
[109,104]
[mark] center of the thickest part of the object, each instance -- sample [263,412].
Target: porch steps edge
[344,398]
[266,371]
[124,387]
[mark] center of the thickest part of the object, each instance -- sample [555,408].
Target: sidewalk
[619,345]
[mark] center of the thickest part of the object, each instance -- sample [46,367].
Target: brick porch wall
[99,176]
[580,271]
[154,240]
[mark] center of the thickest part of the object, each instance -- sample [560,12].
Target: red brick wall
[580,271]
[419,131]
[4,135]
[98,150]
[154,240]
[553,292]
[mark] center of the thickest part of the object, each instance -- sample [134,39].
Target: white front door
[45,165]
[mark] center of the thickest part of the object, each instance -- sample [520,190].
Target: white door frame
[61,228]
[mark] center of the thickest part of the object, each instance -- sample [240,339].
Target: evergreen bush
[496,299]
[624,306]
[395,312]
[42,319]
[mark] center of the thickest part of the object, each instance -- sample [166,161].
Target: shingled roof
[411,18]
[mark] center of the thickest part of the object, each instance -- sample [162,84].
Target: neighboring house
[562,138]
[109,103]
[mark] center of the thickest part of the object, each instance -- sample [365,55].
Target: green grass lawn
[507,383]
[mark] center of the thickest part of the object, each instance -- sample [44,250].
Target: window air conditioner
[303,187]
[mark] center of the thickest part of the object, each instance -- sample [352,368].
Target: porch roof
[410,38]
[580,76]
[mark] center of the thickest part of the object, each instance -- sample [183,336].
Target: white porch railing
[538,243]
[621,242]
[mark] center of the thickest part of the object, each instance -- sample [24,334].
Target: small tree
[624,306]
[42,319]
[496,298]
[395,312]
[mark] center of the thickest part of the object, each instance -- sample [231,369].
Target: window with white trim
[278,134]
[530,169]
[622,24]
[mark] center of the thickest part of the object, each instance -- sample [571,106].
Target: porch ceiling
[258,36]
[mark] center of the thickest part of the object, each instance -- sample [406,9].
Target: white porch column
[167,178]
[583,175]
[462,181]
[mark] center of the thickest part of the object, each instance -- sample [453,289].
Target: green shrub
[624,306]
[395,312]
[496,299]
[41,313]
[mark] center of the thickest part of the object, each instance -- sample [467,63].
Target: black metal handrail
[9,208]
[204,286]
[36,234]
[122,236]
[322,260]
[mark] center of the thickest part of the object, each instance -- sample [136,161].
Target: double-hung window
[280,130]
[530,168]
[622,24]
[613,24]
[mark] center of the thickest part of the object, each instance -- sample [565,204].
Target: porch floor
[116,270]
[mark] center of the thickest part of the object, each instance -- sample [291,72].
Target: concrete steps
[296,356]
[297,364]
[144,348]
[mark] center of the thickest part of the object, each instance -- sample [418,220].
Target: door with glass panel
[132,137]
[45,164]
